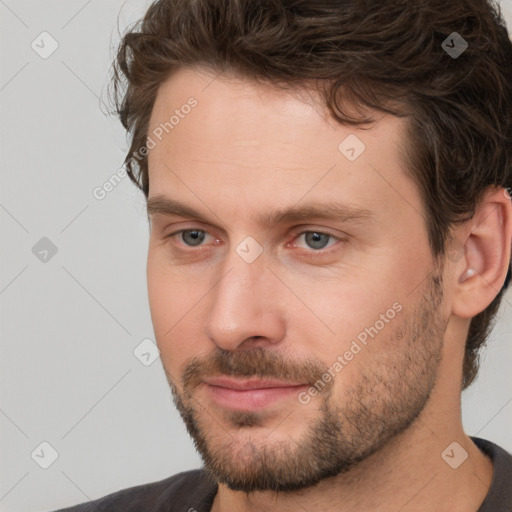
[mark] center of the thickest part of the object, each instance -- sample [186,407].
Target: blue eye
[316,240]
[193,237]
[311,240]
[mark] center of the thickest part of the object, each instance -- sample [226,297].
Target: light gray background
[70,325]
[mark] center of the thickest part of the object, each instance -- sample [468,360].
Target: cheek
[355,315]
[170,311]
[160,298]
[342,306]
[169,291]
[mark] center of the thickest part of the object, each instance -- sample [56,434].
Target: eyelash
[310,252]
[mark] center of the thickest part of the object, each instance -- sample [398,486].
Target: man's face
[298,311]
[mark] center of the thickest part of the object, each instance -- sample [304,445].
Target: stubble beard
[383,403]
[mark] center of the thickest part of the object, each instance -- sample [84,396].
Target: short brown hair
[386,56]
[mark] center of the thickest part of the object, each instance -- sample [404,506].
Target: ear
[484,254]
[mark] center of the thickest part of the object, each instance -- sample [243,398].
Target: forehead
[234,111]
[257,144]
[237,113]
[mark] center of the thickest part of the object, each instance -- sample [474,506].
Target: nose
[245,310]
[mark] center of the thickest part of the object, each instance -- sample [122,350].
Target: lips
[244,385]
[250,394]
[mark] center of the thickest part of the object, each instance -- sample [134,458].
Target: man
[327,189]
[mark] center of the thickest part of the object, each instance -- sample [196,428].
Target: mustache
[257,362]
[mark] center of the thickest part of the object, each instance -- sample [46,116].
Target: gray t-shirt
[193,491]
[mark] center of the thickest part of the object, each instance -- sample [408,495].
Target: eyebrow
[161,205]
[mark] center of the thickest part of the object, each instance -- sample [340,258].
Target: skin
[243,151]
